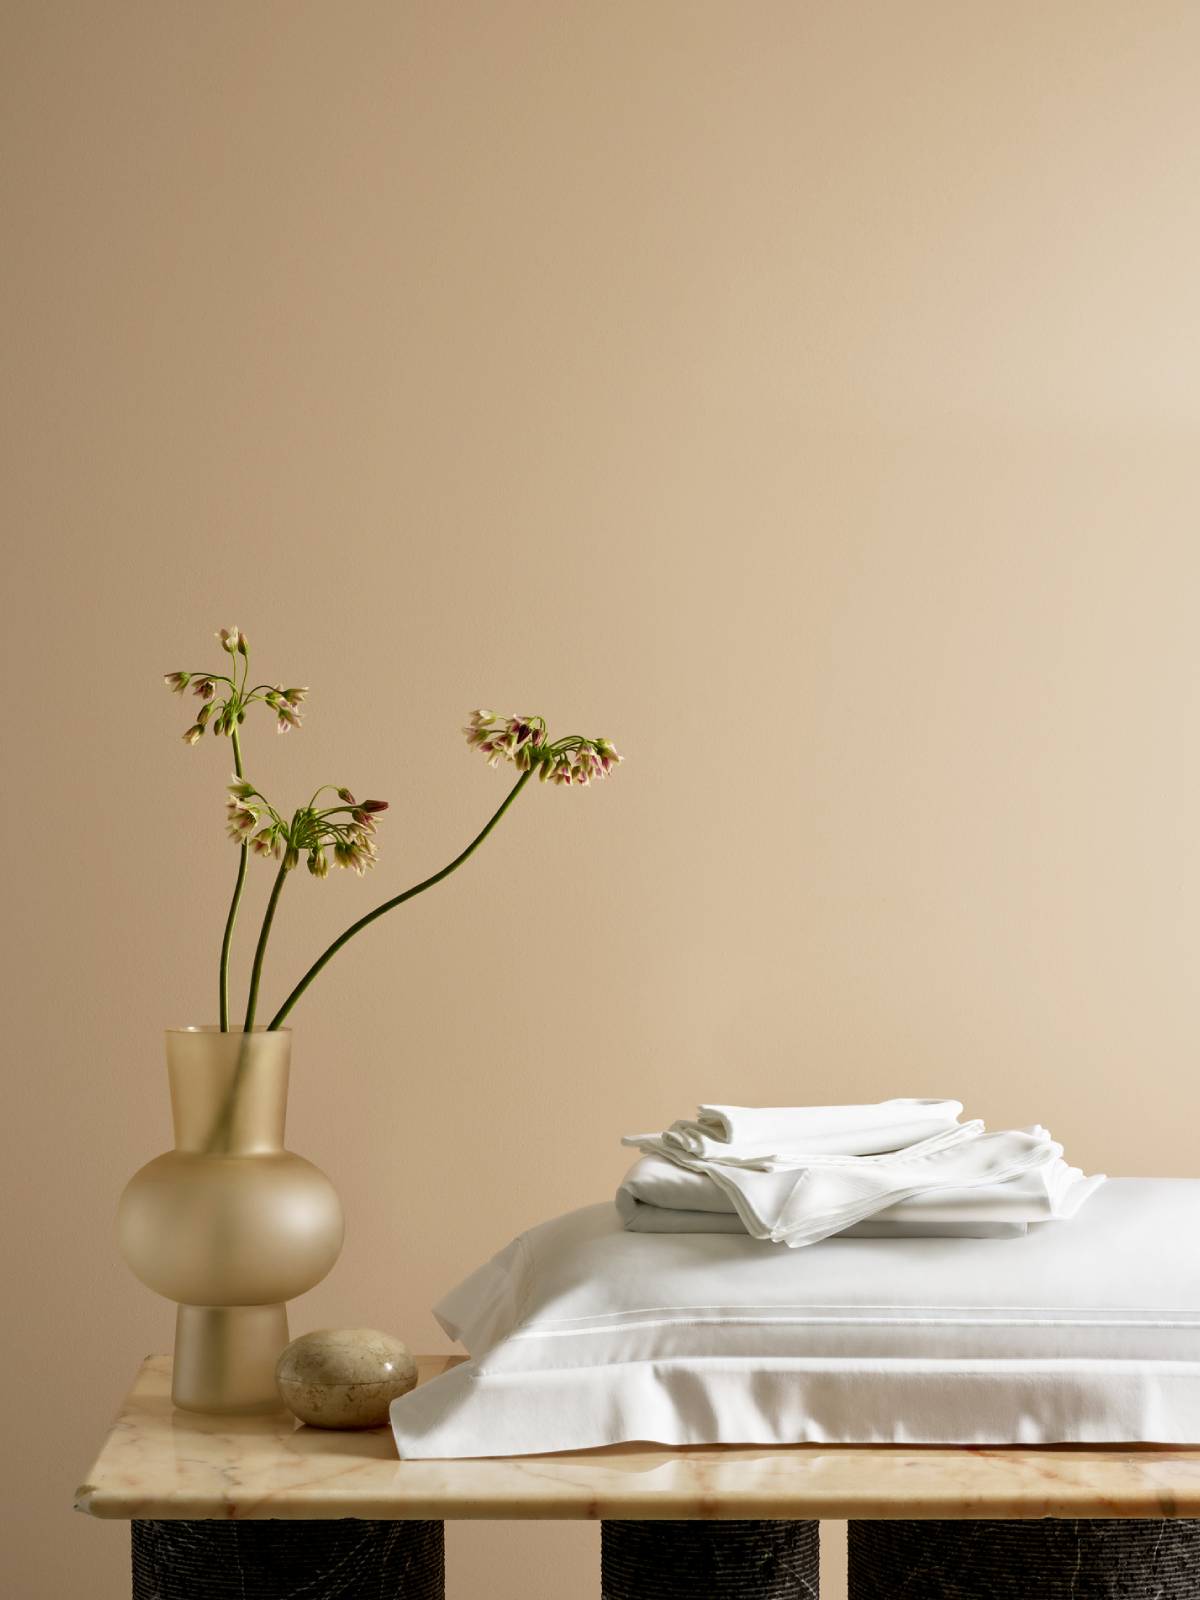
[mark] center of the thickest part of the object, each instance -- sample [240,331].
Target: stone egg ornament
[344,1377]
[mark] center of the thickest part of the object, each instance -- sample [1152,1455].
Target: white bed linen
[660,1196]
[766,1134]
[799,1199]
[583,1334]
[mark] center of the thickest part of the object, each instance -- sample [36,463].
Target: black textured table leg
[1050,1560]
[709,1560]
[346,1559]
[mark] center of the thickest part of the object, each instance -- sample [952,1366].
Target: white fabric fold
[659,1196]
[751,1134]
[757,1162]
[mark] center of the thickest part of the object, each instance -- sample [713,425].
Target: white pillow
[583,1334]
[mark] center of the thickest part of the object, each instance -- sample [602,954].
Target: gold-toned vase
[229,1223]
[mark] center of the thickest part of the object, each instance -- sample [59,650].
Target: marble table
[175,1475]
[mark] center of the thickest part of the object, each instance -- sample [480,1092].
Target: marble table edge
[333,1477]
[639,1509]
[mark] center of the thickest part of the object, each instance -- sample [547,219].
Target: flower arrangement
[344,831]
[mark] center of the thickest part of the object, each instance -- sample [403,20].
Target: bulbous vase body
[229,1224]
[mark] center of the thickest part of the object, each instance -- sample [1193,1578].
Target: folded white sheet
[789,1194]
[659,1196]
[766,1134]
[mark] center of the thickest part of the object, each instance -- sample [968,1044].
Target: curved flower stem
[389,905]
[260,952]
[243,857]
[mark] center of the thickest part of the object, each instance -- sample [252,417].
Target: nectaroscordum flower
[346,829]
[227,695]
[356,852]
[242,819]
[285,703]
[343,833]
[523,740]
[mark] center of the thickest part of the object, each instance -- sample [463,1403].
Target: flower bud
[177,682]
[192,734]
[291,858]
[344,794]
[373,805]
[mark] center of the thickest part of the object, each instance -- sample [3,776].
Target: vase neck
[228,1091]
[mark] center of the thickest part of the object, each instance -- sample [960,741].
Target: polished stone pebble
[344,1377]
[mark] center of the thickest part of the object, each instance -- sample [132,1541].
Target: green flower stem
[243,857]
[260,952]
[389,905]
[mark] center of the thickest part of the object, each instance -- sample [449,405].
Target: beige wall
[804,395]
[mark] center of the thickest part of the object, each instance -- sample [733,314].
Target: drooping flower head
[345,830]
[227,694]
[523,740]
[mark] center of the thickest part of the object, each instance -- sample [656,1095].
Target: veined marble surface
[161,1463]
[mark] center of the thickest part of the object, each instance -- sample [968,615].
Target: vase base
[225,1359]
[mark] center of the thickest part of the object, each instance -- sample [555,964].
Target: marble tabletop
[161,1463]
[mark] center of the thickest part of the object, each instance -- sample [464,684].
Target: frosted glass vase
[229,1224]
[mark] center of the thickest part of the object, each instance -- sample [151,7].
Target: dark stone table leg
[346,1559]
[1046,1560]
[709,1560]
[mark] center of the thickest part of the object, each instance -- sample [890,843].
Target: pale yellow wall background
[804,395]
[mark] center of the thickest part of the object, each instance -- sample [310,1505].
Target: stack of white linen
[797,1174]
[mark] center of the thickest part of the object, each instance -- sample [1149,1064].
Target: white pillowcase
[583,1334]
